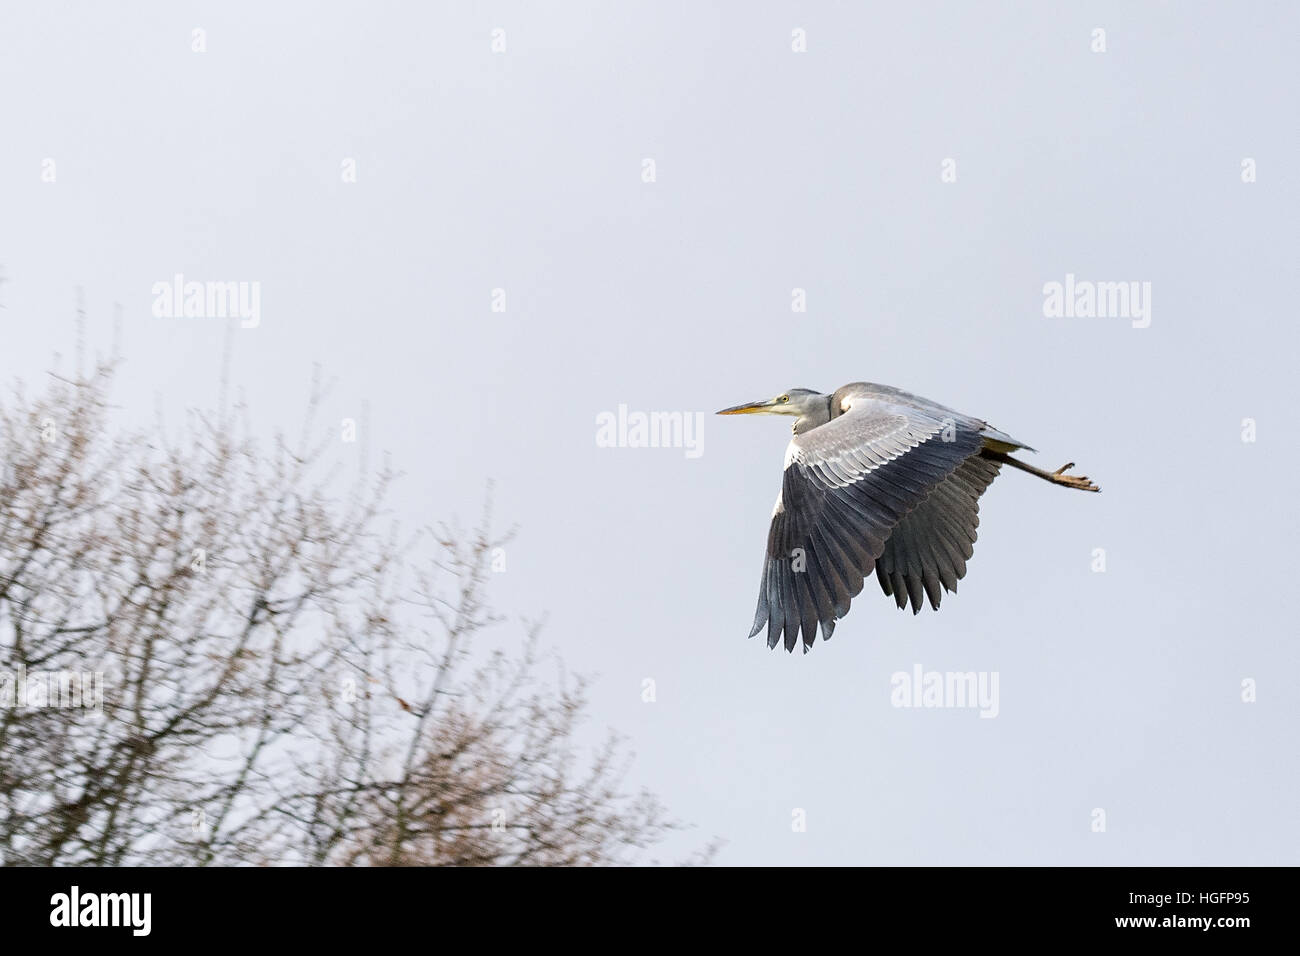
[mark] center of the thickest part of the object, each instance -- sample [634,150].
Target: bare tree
[282,680]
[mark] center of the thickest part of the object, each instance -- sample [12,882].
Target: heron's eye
[784,398]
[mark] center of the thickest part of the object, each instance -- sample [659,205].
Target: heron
[876,478]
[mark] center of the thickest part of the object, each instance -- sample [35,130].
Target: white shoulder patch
[791,455]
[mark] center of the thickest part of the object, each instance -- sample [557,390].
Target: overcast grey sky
[824,170]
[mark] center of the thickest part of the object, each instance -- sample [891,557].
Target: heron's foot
[1072,481]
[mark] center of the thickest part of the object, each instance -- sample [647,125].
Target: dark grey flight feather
[929,548]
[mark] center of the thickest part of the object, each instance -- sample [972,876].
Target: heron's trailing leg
[1058,477]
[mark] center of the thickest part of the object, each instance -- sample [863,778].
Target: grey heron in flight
[875,479]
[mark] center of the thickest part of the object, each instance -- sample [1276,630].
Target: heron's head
[811,408]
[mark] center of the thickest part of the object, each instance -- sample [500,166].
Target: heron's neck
[816,413]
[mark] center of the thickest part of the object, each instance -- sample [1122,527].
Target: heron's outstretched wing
[847,485]
[927,552]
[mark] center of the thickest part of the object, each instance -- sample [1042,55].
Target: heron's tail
[1001,441]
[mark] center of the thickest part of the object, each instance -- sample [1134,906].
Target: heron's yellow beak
[748,409]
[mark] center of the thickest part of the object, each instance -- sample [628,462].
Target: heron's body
[876,479]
